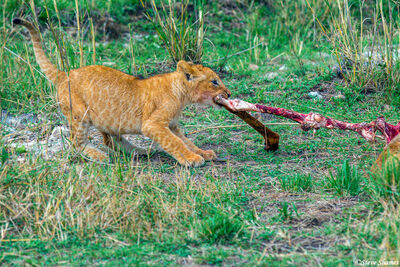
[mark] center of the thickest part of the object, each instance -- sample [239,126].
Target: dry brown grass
[52,202]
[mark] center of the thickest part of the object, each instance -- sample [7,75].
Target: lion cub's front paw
[208,154]
[194,160]
[94,153]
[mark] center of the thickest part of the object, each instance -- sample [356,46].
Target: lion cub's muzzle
[224,94]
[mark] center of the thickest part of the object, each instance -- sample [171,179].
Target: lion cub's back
[88,80]
[109,97]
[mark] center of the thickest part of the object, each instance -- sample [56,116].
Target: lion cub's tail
[49,69]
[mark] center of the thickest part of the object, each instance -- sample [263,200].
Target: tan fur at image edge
[117,103]
[394,152]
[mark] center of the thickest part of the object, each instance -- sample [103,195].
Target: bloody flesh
[316,121]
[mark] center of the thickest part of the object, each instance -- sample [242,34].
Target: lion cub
[117,103]
[390,155]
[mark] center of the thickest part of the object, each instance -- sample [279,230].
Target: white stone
[253,67]
[58,133]
[315,95]
[283,68]
[339,96]
[271,75]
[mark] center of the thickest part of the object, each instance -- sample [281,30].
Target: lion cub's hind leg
[119,143]
[79,138]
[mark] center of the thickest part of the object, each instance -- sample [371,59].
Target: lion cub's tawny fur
[389,155]
[117,103]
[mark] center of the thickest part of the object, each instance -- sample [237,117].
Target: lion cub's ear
[190,71]
[186,68]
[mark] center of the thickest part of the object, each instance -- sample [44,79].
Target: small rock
[271,75]
[338,71]
[386,108]
[283,68]
[6,129]
[253,67]
[227,68]
[315,95]
[58,133]
[339,96]
[3,115]
[18,121]
[325,55]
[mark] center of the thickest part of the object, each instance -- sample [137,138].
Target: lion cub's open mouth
[219,100]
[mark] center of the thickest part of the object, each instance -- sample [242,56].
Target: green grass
[286,212]
[309,203]
[386,183]
[347,181]
[219,227]
[296,183]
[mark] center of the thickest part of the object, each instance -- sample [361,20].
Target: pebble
[58,133]
[271,75]
[387,108]
[325,55]
[315,95]
[17,121]
[253,67]
[339,96]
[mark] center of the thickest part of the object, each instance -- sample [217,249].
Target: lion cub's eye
[215,82]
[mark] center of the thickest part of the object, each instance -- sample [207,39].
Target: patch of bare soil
[29,135]
[328,87]
[312,212]
[33,135]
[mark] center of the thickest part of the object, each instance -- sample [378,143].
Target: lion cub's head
[203,84]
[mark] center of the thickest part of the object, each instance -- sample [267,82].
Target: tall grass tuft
[4,35]
[363,45]
[286,212]
[347,181]
[79,33]
[386,182]
[181,34]
[219,227]
[296,183]
[293,18]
